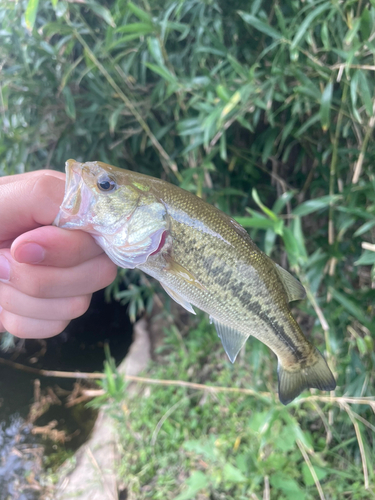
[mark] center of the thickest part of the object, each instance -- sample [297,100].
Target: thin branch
[311,469]
[368,246]
[266,396]
[360,443]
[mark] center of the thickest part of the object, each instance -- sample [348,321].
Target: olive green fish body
[201,257]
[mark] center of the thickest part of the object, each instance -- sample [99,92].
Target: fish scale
[202,258]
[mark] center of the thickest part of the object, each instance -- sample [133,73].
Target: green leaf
[102,12]
[307,476]
[296,228]
[196,482]
[233,101]
[291,246]
[365,227]
[258,223]
[287,485]
[30,14]
[141,14]
[155,50]
[350,306]
[267,211]
[163,72]
[308,207]
[308,123]
[365,92]
[282,201]
[325,106]
[260,25]
[238,67]
[70,107]
[352,32]
[232,474]
[295,429]
[139,29]
[366,259]
[366,24]
[306,24]
[114,117]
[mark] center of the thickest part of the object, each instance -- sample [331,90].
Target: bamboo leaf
[267,211]
[366,259]
[325,106]
[260,25]
[308,207]
[366,24]
[30,13]
[102,12]
[141,14]
[70,108]
[163,72]
[365,92]
[350,306]
[306,23]
[136,28]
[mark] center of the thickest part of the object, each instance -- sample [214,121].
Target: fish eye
[106,183]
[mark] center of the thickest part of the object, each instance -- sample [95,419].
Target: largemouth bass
[201,257]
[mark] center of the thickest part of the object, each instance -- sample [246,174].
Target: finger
[30,202]
[52,246]
[7,179]
[31,328]
[16,302]
[53,282]
[2,328]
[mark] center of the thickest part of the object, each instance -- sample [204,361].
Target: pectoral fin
[180,300]
[175,268]
[293,287]
[231,339]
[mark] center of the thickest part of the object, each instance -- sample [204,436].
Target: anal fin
[231,339]
[177,298]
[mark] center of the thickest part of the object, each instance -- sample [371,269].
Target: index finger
[29,201]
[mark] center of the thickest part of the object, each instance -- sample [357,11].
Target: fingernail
[4,269]
[29,253]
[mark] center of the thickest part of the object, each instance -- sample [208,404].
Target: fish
[202,258]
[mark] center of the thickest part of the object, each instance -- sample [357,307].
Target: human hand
[47,274]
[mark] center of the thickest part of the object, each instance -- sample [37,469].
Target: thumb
[28,201]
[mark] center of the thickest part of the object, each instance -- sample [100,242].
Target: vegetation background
[265,109]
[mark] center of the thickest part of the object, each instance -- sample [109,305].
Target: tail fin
[293,382]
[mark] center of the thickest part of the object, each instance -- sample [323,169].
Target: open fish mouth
[77,198]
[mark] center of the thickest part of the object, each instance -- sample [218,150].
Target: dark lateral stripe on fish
[281,333]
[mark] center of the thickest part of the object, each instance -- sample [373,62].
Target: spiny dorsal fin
[176,297]
[231,339]
[293,287]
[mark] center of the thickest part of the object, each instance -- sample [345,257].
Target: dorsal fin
[231,339]
[293,287]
